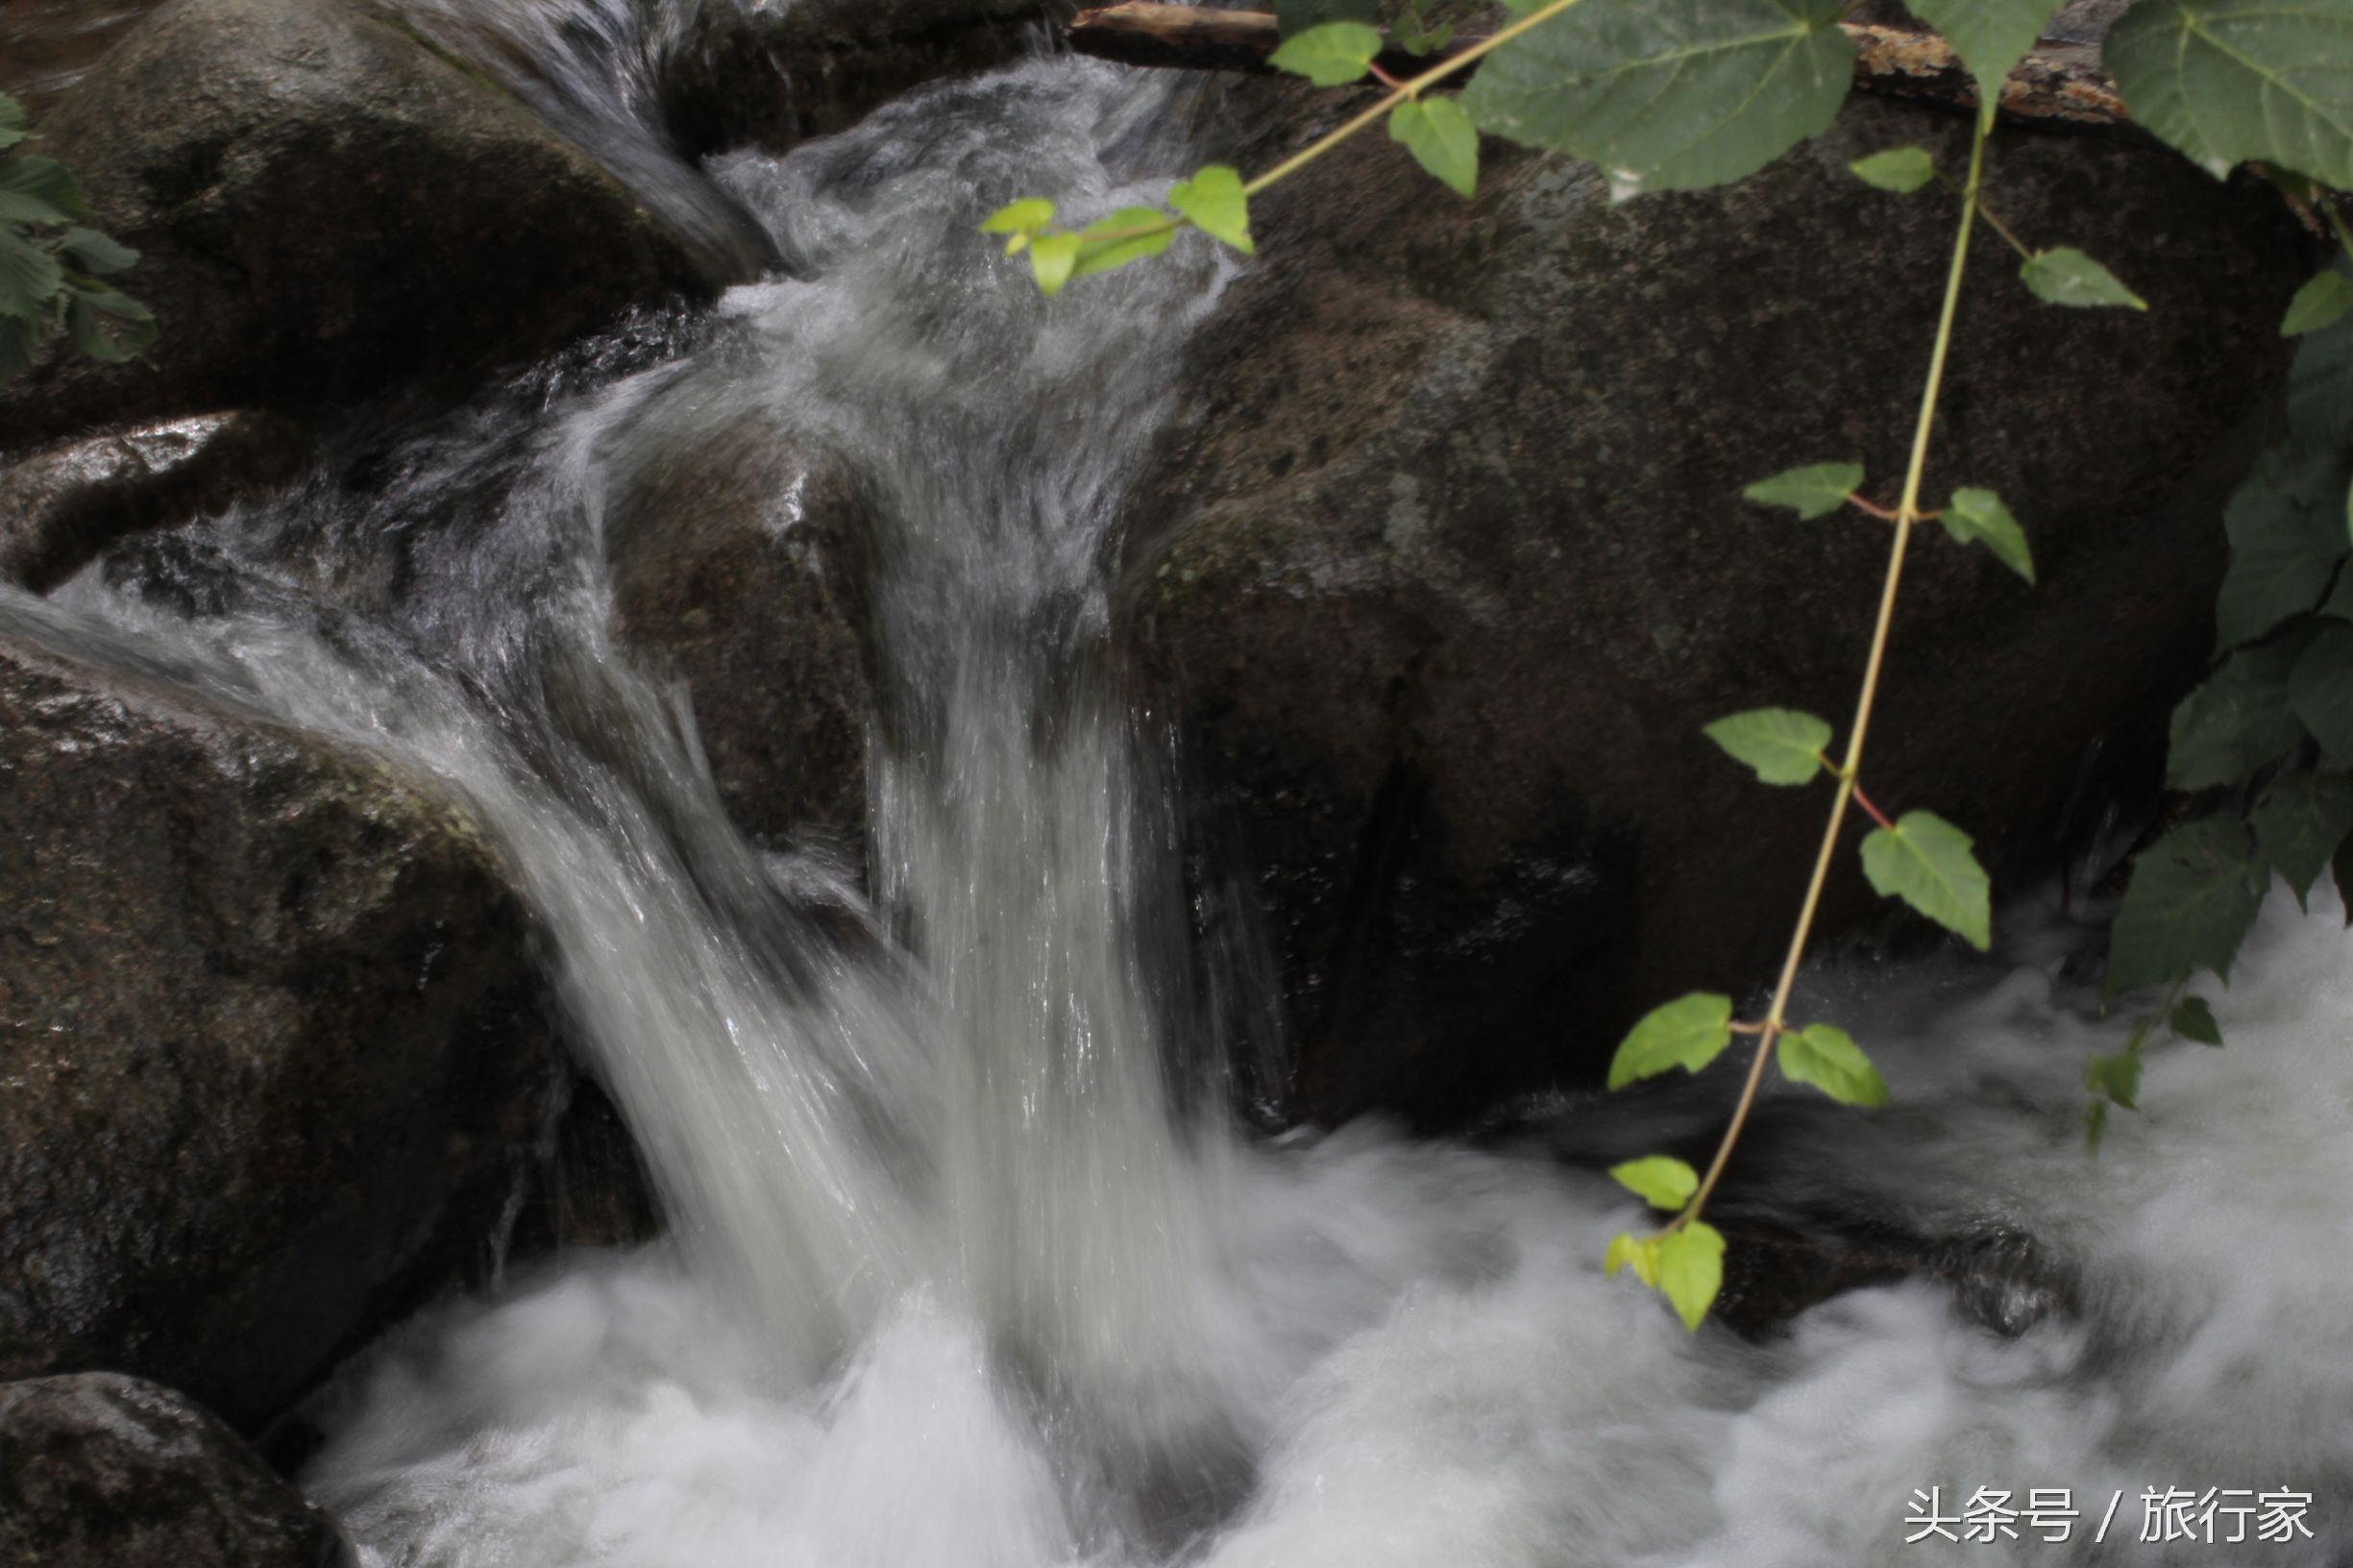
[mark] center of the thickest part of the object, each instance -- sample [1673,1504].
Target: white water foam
[1419,1353]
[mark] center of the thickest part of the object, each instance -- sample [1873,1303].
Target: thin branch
[2058,84]
[1907,513]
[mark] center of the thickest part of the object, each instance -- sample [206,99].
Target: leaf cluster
[51,263]
[2266,738]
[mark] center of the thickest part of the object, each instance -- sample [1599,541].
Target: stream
[967,1265]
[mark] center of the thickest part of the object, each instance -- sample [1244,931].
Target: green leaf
[2229,81]
[1214,200]
[2239,720]
[14,127]
[1052,256]
[2194,1020]
[1670,94]
[2287,528]
[1827,1057]
[110,328]
[1689,1033]
[39,190]
[1691,1271]
[2094,1125]
[1989,36]
[1439,135]
[2117,1077]
[1815,490]
[1625,1252]
[1926,862]
[18,338]
[1025,216]
[1782,744]
[1129,234]
[1902,170]
[2320,386]
[30,278]
[1980,516]
[2066,275]
[1658,1180]
[2193,895]
[1296,16]
[1330,55]
[2319,303]
[1021,219]
[2300,823]
[2320,689]
[94,253]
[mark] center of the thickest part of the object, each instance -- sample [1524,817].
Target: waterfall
[963,1271]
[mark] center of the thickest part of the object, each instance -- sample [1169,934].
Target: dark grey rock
[272,1052]
[736,560]
[325,206]
[106,1471]
[771,77]
[1445,565]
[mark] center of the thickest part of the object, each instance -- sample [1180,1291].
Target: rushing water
[965,1271]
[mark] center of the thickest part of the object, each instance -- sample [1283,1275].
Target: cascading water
[954,1282]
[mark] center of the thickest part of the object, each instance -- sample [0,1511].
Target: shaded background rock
[48,45]
[325,207]
[272,1055]
[61,507]
[1445,566]
[104,1471]
[771,76]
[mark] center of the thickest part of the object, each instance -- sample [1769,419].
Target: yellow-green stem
[1410,88]
[1850,771]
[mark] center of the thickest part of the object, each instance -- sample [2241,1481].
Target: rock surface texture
[272,1058]
[327,206]
[735,557]
[61,507]
[1445,565]
[770,76]
[104,1471]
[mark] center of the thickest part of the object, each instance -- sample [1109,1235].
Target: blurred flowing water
[966,1269]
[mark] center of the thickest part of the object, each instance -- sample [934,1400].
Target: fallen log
[2062,83]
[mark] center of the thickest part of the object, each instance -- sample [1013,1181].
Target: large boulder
[326,205]
[736,559]
[1444,565]
[771,76]
[272,1046]
[104,1471]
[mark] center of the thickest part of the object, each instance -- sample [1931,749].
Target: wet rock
[736,570]
[104,1471]
[1773,1270]
[272,1052]
[773,76]
[326,205]
[58,509]
[592,1190]
[48,45]
[1444,565]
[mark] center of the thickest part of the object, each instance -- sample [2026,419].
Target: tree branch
[2061,84]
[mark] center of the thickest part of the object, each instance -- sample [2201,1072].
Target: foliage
[1679,94]
[50,264]
[2264,738]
